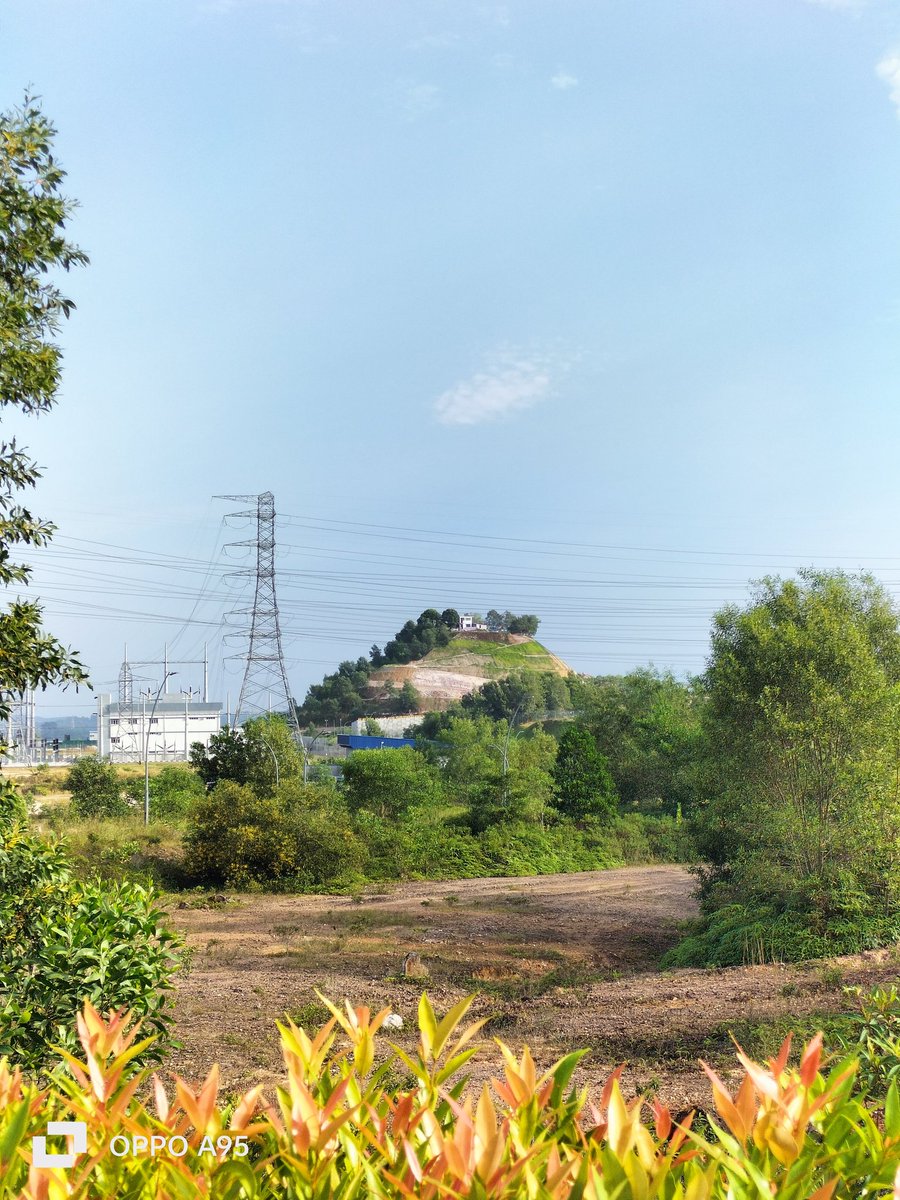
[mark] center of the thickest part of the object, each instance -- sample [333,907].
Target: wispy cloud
[416,99]
[889,70]
[512,380]
[563,81]
[840,5]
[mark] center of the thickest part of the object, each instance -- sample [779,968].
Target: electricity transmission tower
[265,679]
[21,736]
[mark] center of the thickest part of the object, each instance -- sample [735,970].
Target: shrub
[96,789]
[173,792]
[64,940]
[344,1127]
[298,838]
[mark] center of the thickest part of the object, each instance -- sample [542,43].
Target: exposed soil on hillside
[561,961]
[450,672]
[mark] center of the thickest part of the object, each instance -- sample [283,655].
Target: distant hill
[469,660]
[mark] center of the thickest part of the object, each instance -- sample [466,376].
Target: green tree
[527,623]
[409,700]
[474,754]
[174,791]
[298,837]
[96,790]
[273,753]
[583,786]
[648,726]
[802,815]
[388,782]
[61,940]
[226,757]
[33,248]
[259,754]
[450,618]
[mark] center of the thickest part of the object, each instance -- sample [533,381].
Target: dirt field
[561,961]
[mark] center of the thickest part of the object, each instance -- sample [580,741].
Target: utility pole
[159,692]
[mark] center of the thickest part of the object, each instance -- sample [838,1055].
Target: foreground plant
[340,1128]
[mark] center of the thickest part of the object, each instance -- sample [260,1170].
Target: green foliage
[874,1039]
[299,838]
[33,215]
[388,782]
[96,789]
[409,699]
[174,790]
[507,622]
[262,751]
[583,786]
[357,1118]
[418,638]
[64,940]
[800,826]
[648,726]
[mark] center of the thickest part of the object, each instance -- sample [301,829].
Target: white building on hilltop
[177,722]
[467,621]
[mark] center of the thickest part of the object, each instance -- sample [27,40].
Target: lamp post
[159,692]
[274,757]
[306,751]
[506,742]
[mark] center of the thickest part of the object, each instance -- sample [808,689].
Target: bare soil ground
[561,962]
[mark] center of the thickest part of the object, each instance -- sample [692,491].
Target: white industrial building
[168,730]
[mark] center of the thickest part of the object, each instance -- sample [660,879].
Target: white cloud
[563,80]
[889,70]
[511,381]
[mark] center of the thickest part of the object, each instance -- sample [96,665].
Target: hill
[469,660]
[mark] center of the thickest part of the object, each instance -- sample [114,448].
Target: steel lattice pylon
[265,686]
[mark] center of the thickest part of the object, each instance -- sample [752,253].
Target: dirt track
[560,961]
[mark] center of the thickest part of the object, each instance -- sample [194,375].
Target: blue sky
[588,308]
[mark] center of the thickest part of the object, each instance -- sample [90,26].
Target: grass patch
[310,1016]
[121,848]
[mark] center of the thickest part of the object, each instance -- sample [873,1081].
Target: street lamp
[159,692]
[274,757]
[306,752]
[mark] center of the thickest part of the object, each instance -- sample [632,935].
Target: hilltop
[431,663]
[469,660]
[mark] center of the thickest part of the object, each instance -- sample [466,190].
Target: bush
[173,792]
[343,1130]
[64,940]
[299,838]
[96,789]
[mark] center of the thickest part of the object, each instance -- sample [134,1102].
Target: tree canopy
[33,249]
[801,818]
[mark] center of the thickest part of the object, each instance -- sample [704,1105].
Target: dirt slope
[447,674]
